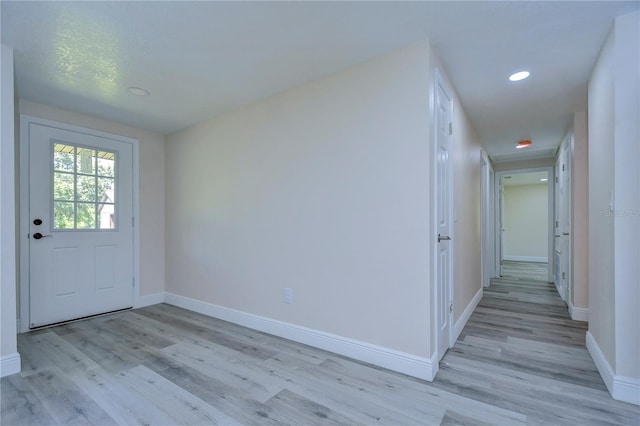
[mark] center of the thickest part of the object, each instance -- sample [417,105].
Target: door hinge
[133,282]
[451,307]
[557,179]
[450,129]
[564,275]
[563,167]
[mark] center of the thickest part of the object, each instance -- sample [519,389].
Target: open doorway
[525,223]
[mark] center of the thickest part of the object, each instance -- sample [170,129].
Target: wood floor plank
[233,369]
[414,396]
[220,395]
[181,406]
[299,410]
[335,390]
[537,400]
[65,401]
[305,352]
[20,405]
[212,335]
[45,350]
[452,418]
[123,404]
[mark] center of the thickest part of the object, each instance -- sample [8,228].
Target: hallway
[521,351]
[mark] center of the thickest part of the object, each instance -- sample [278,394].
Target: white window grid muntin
[75,173]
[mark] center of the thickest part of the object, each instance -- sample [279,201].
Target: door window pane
[85,159]
[86,216]
[63,217]
[106,216]
[106,164]
[106,190]
[84,184]
[63,186]
[63,157]
[86,188]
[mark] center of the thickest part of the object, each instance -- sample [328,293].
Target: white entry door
[444,194]
[80,225]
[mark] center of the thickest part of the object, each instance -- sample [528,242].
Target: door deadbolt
[37,222]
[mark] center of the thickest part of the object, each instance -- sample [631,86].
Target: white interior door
[444,194]
[81,225]
[565,221]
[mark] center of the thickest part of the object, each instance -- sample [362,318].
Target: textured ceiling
[200,59]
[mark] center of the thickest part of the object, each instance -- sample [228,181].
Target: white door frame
[25,121]
[487,233]
[440,81]
[550,211]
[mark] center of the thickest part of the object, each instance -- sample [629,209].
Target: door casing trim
[24,217]
[550,211]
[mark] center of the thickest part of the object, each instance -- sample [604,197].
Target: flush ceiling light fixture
[544,180]
[138,91]
[519,76]
[524,144]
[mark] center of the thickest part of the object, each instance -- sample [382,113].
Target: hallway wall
[9,357]
[526,223]
[614,210]
[323,189]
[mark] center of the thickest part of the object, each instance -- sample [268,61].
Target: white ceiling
[201,59]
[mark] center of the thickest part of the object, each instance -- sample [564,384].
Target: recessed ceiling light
[138,91]
[524,144]
[544,180]
[519,76]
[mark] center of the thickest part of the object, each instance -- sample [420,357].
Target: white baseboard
[10,364]
[412,365]
[578,314]
[462,321]
[621,388]
[526,259]
[151,299]
[626,389]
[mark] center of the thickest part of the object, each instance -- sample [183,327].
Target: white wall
[9,357]
[526,222]
[323,189]
[614,210]
[626,60]
[152,191]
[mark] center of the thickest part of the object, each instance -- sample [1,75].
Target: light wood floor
[519,360]
[525,270]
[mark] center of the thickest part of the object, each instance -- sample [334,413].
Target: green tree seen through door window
[84,187]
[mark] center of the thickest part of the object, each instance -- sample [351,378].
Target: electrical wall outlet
[287,295]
